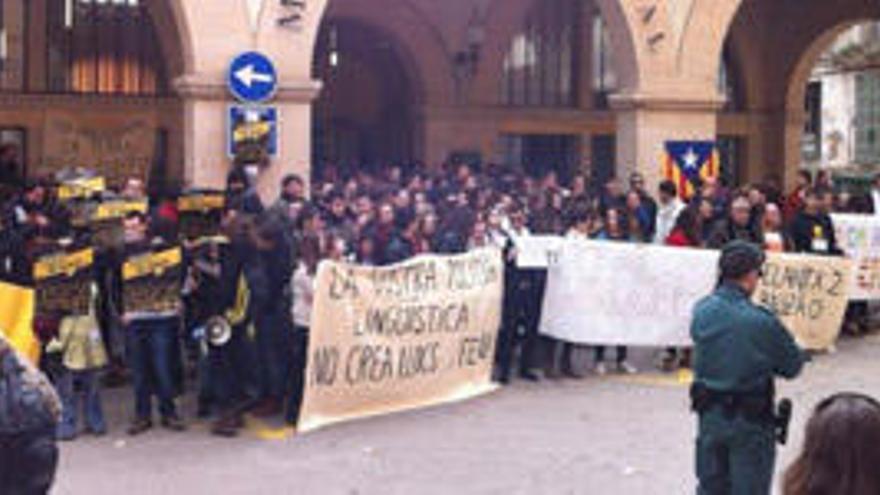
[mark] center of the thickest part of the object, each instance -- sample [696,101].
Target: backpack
[28,401]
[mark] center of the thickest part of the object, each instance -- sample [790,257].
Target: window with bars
[728,82]
[103,47]
[604,77]
[867,120]
[539,69]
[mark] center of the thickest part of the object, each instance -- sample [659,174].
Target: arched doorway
[364,117]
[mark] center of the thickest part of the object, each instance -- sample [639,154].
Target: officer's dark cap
[738,258]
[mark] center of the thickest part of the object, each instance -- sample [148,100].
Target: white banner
[642,295]
[859,237]
[625,294]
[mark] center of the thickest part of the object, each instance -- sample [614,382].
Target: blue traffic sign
[252,77]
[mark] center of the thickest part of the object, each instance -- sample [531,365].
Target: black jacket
[805,229]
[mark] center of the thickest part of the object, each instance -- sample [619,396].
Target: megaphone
[218,331]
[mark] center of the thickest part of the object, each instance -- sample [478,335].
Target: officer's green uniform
[739,348]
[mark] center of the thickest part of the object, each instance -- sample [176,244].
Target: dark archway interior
[363,118]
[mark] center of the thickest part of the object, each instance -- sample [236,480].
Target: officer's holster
[757,407]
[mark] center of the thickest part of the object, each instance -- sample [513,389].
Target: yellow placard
[151,264]
[251,131]
[201,202]
[66,264]
[809,294]
[118,209]
[82,188]
[17,320]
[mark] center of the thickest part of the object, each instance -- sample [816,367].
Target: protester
[840,454]
[303,281]
[611,197]
[151,338]
[869,204]
[83,357]
[775,237]
[687,234]
[268,270]
[640,218]
[707,218]
[232,365]
[796,199]
[615,229]
[525,303]
[740,224]
[647,204]
[582,221]
[28,214]
[668,211]
[240,194]
[687,231]
[812,230]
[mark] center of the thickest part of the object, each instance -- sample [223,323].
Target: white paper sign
[859,237]
[537,252]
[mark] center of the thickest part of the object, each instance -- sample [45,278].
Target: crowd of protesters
[260,280]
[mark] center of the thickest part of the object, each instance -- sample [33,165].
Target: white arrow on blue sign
[252,77]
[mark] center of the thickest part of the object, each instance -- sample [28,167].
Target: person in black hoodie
[230,365]
[268,270]
[812,230]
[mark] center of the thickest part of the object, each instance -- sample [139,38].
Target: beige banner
[402,337]
[809,294]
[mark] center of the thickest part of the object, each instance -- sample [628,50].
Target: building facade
[843,103]
[138,86]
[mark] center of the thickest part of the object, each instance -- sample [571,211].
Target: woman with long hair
[841,452]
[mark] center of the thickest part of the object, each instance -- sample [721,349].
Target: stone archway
[777,61]
[174,36]
[366,114]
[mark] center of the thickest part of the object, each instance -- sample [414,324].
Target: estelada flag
[17,319]
[686,163]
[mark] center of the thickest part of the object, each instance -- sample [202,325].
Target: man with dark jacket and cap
[739,348]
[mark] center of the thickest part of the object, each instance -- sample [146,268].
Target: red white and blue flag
[687,163]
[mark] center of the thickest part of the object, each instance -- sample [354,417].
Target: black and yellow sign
[111,210]
[106,221]
[201,202]
[62,282]
[200,214]
[81,188]
[151,281]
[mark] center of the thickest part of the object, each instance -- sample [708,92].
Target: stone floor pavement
[614,435]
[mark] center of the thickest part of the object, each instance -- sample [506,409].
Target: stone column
[205,107]
[646,122]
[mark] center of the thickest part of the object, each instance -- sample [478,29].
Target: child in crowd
[83,356]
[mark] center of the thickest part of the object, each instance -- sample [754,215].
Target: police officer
[739,348]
